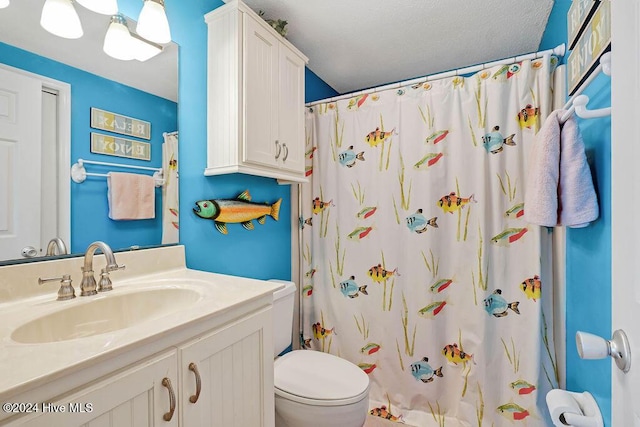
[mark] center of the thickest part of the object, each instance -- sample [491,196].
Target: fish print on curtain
[417,264]
[170,189]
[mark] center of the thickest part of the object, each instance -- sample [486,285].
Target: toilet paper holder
[594,347]
[589,416]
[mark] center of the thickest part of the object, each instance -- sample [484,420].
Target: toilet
[312,388]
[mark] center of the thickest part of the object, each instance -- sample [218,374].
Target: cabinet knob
[172,399]
[278,149]
[286,152]
[193,368]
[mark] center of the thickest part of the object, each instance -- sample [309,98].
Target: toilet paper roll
[560,402]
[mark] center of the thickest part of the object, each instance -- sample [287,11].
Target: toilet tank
[283,300]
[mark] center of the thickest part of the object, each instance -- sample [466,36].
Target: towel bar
[580,104]
[79,174]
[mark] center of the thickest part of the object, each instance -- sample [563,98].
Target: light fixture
[60,18]
[144,49]
[120,43]
[104,7]
[152,23]
[4,3]
[117,41]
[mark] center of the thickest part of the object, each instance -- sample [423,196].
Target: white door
[20,133]
[291,127]
[261,144]
[625,204]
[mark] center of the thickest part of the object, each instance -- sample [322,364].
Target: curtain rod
[558,51]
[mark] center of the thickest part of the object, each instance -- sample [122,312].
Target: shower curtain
[170,196]
[416,263]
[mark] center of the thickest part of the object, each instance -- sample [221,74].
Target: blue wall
[588,250]
[264,252]
[316,88]
[89,207]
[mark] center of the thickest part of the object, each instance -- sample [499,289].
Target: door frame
[625,197]
[63,91]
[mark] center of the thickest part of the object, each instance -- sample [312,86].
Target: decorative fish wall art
[241,209]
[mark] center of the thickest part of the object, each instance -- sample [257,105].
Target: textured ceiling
[20,27]
[357,44]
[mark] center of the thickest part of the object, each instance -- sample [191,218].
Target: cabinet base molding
[248,170]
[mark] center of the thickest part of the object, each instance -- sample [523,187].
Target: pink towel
[559,185]
[131,196]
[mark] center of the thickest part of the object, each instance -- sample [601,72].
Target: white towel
[131,196]
[559,185]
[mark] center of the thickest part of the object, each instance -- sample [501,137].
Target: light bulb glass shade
[153,24]
[143,49]
[60,18]
[104,7]
[4,3]
[117,41]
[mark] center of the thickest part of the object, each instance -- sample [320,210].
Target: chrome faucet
[56,243]
[88,284]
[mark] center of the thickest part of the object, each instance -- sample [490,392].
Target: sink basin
[106,313]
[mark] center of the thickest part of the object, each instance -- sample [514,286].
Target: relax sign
[117,123]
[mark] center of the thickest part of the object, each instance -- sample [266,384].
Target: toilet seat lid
[319,376]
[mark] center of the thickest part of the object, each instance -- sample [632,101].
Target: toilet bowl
[315,389]
[312,388]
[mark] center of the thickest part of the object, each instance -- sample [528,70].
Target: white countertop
[26,365]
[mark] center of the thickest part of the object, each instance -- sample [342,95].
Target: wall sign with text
[117,123]
[593,42]
[120,147]
[577,18]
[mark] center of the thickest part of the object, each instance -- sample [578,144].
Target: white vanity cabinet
[234,374]
[229,368]
[131,398]
[255,108]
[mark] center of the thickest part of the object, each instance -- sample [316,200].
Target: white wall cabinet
[229,370]
[255,111]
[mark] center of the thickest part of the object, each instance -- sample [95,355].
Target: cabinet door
[261,145]
[291,109]
[235,367]
[132,398]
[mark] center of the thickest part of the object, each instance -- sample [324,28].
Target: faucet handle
[114,267]
[66,291]
[105,282]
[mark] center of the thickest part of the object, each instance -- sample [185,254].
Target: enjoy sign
[594,41]
[121,147]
